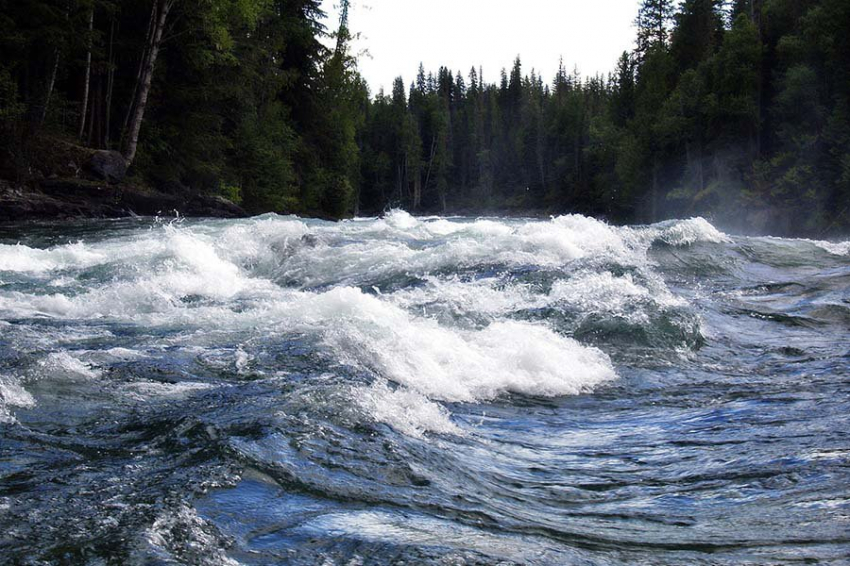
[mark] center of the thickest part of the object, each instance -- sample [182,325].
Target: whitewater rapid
[450,338]
[422,390]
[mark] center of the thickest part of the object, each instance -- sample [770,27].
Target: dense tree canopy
[737,108]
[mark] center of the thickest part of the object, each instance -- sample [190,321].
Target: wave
[437,310]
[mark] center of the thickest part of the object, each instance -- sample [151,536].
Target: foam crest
[835,248]
[687,232]
[174,533]
[604,292]
[406,410]
[401,220]
[486,296]
[262,242]
[449,364]
[63,365]
[12,395]
[24,259]
[402,244]
[179,269]
[283,276]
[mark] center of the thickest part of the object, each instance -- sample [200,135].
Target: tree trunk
[135,125]
[110,83]
[399,180]
[87,83]
[417,189]
[142,62]
[51,81]
[430,163]
[654,196]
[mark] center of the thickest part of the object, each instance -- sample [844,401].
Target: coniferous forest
[734,110]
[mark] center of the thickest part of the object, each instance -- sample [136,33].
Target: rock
[214,206]
[80,198]
[20,205]
[108,165]
[150,203]
[76,189]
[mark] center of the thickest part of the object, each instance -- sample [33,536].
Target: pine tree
[698,33]
[653,20]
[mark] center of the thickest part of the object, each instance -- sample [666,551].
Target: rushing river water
[421,391]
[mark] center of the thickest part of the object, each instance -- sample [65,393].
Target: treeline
[739,109]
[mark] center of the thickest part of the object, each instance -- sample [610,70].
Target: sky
[399,34]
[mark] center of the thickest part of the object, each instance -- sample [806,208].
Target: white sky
[398,34]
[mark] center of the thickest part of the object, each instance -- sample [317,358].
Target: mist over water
[421,390]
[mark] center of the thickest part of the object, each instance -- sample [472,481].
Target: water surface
[421,391]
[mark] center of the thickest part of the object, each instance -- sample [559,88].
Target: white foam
[242,361]
[835,248]
[585,292]
[143,390]
[124,354]
[179,531]
[486,296]
[406,410]
[602,292]
[66,366]
[687,232]
[449,364]
[401,220]
[23,259]
[13,395]
[222,277]
[402,244]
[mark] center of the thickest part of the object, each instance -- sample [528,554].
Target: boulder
[108,165]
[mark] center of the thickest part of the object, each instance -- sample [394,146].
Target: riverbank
[67,198]
[54,179]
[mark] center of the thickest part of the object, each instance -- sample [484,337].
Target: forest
[732,110]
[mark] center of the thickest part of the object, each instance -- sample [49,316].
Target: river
[422,391]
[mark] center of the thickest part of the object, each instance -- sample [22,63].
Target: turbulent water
[421,391]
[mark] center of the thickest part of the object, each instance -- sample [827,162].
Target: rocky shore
[99,189]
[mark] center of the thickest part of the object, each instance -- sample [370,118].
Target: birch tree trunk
[142,60]
[161,8]
[135,125]
[50,83]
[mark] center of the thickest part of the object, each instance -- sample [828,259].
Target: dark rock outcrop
[17,204]
[220,207]
[107,165]
[80,198]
